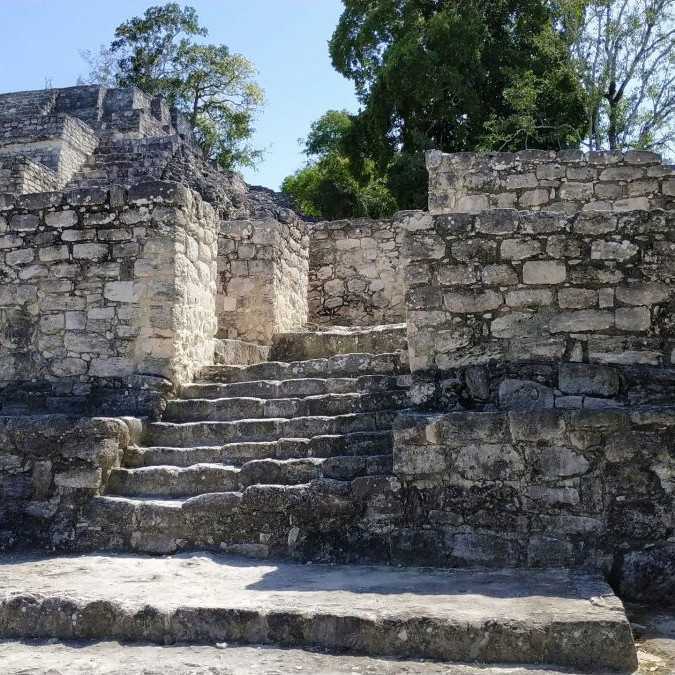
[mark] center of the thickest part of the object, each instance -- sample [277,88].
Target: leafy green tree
[215,88]
[334,184]
[456,75]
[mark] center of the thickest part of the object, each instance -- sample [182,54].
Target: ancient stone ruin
[486,388]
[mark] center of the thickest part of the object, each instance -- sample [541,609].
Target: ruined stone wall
[542,180]
[504,287]
[61,143]
[556,488]
[50,466]
[104,296]
[356,273]
[263,271]
[20,175]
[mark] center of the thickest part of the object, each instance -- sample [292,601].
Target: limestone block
[476,302]
[90,251]
[577,298]
[456,275]
[531,198]
[79,479]
[121,291]
[622,173]
[519,249]
[498,275]
[61,219]
[524,394]
[588,379]
[613,250]
[635,319]
[572,191]
[26,222]
[54,253]
[22,256]
[581,320]
[529,297]
[643,294]
[544,272]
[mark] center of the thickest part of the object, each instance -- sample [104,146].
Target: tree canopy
[159,53]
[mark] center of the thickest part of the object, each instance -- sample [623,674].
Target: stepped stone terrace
[477,400]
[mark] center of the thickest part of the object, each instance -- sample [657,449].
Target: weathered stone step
[344,365]
[191,434]
[297,388]
[553,617]
[229,409]
[174,481]
[258,521]
[301,345]
[236,454]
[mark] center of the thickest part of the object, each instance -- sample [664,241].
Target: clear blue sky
[286,39]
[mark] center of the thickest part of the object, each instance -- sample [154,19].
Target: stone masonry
[489,384]
[538,180]
[101,290]
[356,273]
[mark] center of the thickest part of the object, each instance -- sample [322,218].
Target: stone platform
[555,617]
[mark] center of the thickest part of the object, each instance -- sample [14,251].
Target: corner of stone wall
[108,297]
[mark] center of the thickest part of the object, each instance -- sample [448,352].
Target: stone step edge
[591,646]
[279,419]
[139,450]
[342,396]
[195,386]
[239,474]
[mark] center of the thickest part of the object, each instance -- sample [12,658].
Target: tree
[213,87]
[624,52]
[432,74]
[334,184]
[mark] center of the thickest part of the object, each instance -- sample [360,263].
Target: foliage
[333,184]
[624,53]
[213,87]
[431,74]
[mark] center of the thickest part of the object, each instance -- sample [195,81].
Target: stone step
[555,617]
[300,345]
[197,479]
[344,365]
[171,481]
[357,444]
[229,409]
[259,521]
[191,434]
[297,388]
[238,352]
[54,657]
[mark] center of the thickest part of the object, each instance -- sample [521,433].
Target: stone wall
[537,179]
[506,287]
[104,296]
[549,488]
[20,175]
[50,466]
[263,270]
[356,273]
[61,143]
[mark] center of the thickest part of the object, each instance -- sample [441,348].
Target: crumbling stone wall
[20,175]
[556,488]
[507,287]
[61,143]
[542,180]
[50,466]
[104,295]
[263,270]
[356,273]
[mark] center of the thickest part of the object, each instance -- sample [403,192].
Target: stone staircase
[126,161]
[248,457]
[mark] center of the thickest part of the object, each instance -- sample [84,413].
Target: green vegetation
[159,53]
[473,75]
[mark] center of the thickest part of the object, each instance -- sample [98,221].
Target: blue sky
[286,39]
